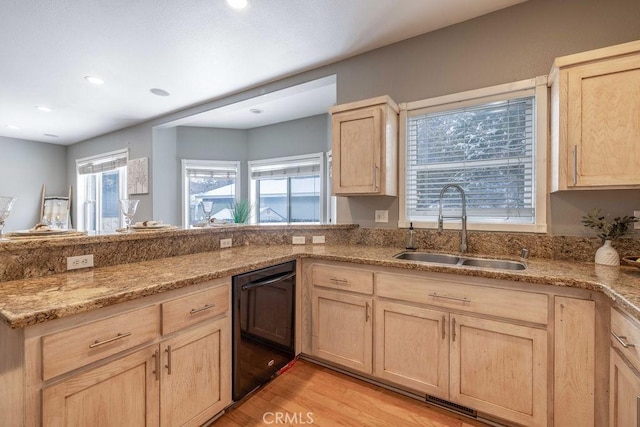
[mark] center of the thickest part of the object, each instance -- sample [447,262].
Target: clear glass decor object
[6,203]
[128,208]
[207,210]
[607,255]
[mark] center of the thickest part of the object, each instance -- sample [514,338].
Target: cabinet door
[196,374]
[412,347]
[357,141]
[342,329]
[624,389]
[602,122]
[123,392]
[499,368]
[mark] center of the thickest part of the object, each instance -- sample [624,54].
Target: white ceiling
[197,50]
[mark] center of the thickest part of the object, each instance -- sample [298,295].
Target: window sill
[471,226]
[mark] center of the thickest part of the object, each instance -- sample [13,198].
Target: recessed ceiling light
[94,80]
[43,108]
[237,4]
[50,135]
[256,110]
[14,127]
[159,92]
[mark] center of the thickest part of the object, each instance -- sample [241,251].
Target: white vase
[607,255]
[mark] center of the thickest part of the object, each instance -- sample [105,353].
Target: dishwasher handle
[259,283]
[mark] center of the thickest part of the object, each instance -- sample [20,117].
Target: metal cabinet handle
[168,365]
[463,299]
[622,340]
[453,329]
[117,337]
[375,177]
[367,312]
[444,327]
[339,281]
[156,370]
[198,310]
[575,165]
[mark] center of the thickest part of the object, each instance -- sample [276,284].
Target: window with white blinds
[287,189]
[486,145]
[215,183]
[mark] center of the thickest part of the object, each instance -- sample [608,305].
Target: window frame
[253,185]
[538,86]
[206,165]
[81,213]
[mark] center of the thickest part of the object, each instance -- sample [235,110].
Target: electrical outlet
[81,261]
[226,243]
[298,240]
[382,216]
[317,239]
[636,225]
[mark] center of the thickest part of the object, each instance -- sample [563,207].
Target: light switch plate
[317,239]
[226,243]
[382,216]
[298,240]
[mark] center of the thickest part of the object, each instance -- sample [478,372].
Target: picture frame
[138,176]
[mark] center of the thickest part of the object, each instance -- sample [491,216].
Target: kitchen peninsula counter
[30,301]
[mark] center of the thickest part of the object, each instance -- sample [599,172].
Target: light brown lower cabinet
[624,393]
[179,382]
[122,392]
[342,328]
[492,366]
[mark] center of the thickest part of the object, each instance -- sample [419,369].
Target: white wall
[24,167]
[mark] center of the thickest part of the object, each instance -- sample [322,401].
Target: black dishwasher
[263,325]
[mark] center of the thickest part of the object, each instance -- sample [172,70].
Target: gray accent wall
[24,167]
[511,44]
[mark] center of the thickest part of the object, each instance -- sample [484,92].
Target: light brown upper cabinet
[595,119]
[365,148]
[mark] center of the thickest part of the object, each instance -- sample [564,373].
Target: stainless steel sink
[437,258]
[493,263]
[429,257]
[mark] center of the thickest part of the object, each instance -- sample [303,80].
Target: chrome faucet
[463,217]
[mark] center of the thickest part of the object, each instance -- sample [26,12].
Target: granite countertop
[31,301]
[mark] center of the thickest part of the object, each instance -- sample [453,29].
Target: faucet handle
[525,253]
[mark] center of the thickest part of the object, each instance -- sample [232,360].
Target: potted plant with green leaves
[608,231]
[241,211]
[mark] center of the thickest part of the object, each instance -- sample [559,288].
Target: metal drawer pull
[339,281]
[622,340]
[444,327]
[117,337]
[463,299]
[198,310]
[367,312]
[168,365]
[156,371]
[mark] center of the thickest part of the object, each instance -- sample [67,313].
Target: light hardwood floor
[309,394]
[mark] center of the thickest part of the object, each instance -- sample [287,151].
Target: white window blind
[102,163]
[219,171]
[284,168]
[487,148]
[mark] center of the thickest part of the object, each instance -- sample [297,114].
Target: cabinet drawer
[191,309]
[626,332]
[512,304]
[348,279]
[73,348]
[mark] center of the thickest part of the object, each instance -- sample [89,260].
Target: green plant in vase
[241,211]
[608,231]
